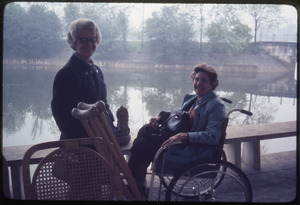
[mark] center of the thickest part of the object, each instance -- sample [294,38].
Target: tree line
[171,34]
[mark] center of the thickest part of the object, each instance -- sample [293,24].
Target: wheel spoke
[220,181]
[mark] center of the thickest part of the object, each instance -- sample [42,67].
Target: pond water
[27,117]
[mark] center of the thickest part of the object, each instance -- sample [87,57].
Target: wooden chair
[96,125]
[73,170]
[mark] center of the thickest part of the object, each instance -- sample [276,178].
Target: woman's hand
[153,122]
[175,138]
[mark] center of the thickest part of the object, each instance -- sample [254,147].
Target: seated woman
[207,113]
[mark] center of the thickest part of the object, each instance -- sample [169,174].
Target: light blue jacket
[206,129]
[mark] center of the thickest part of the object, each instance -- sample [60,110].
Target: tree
[113,23]
[13,31]
[263,14]
[123,23]
[227,34]
[202,20]
[44,31]
[33,34]
[72,12]
[199,19]
[169,32]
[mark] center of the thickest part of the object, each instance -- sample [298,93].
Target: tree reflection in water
[27,94]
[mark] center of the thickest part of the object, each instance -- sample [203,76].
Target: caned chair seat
[74,171]
[84,169]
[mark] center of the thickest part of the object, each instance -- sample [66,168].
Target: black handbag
[175,121]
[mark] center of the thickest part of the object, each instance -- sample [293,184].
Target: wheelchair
[213,180]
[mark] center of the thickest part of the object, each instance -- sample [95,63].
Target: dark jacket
[76,82]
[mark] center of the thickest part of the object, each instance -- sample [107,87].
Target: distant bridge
[284,86]
[285,51]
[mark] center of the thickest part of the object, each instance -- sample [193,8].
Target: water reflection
[27,116]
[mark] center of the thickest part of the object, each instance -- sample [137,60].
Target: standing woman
[80,80]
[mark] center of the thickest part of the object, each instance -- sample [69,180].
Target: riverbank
[248,63]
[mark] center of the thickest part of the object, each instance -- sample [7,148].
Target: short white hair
[77,26]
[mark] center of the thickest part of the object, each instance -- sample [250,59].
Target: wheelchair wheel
[201,182]
[166,179]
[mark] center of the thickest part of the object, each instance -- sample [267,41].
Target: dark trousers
[144,147]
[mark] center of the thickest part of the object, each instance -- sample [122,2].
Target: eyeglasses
[86,40]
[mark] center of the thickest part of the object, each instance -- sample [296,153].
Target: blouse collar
[206,97]
[90,62]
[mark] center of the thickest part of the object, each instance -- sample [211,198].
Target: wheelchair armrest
[215,147]
[184,142]
[175,143]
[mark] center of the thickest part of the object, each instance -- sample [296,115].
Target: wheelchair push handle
[226,100]
[246,112]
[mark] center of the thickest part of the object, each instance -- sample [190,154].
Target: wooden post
[16,178]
